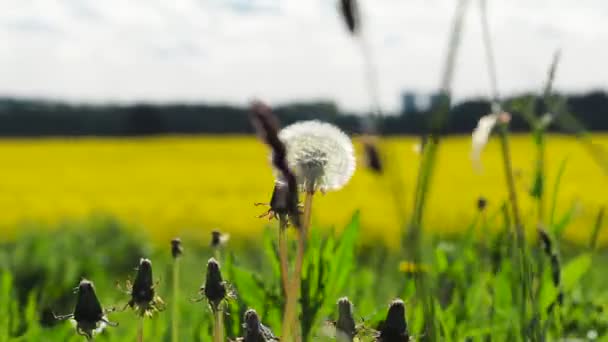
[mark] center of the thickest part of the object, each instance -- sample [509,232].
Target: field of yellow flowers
[192,185]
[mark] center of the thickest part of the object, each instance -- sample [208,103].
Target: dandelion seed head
[320,154]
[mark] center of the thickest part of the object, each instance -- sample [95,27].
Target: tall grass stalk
[290,318]
[520,238]
[425,172]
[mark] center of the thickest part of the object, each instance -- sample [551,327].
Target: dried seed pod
[255,331]
[482,203]
[218,239]
[215,288]
[143,294]
[267,127]
[176,247]
[88,314]
[345,325]
[394,328]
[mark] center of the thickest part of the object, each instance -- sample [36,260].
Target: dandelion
[482,132]
[255,331]
[216,291]
[345,325]
[144,300]
[176,252]
[218,239]
[176,248]
[394,328]
[89,317]
[482,203]
[267,127]
[321,155]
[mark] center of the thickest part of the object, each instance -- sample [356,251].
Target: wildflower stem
[175,321]
[218,329]
[289,321]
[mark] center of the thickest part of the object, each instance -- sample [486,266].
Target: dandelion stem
[218,329]
[283,258]
[140,330]
[289,321]
[175,322]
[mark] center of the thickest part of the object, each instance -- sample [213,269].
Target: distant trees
[28,117]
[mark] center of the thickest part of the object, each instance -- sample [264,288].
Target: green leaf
[574,270]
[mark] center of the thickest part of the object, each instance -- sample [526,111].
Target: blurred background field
[188,186]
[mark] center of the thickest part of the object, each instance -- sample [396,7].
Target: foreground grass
[190,185]
[473,279]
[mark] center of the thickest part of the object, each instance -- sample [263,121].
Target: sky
[232,51]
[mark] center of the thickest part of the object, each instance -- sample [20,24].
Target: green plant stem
[289,319]
[175,321]
[140,330]
[218,328]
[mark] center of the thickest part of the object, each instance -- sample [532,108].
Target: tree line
[31,117]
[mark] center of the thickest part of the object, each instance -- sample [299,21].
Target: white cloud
[281,50]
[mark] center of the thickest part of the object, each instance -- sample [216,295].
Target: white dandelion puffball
[320,154]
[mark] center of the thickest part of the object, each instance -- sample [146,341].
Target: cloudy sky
[282,50]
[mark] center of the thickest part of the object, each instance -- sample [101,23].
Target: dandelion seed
[394,328]
[321,155]
[144,299]
[89,317]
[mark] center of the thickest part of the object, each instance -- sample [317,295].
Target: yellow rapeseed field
[191,185]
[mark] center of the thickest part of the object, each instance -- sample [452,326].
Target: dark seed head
[88,309]
[143,286]
[218,239]
[372,155]
[482,203]
[215,287]
[345,326]
[176,247]
[267,128]
[350,13]
[394,328]
[255,331]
